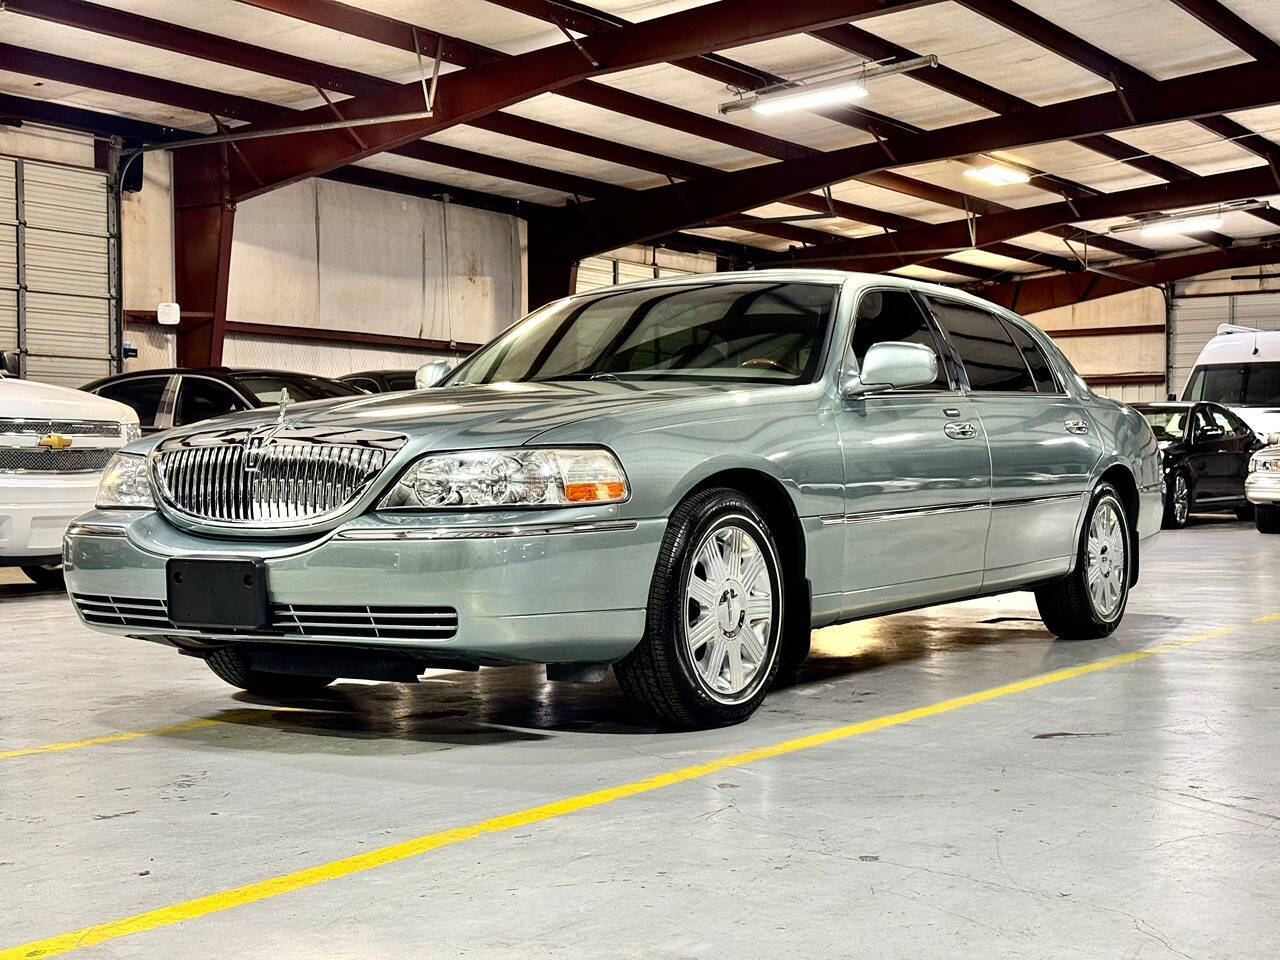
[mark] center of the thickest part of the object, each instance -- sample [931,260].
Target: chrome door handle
[1076,426]
[960,430]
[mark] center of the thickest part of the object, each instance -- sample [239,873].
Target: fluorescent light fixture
[809,97]
[998,175]
[1164,228]
[817,92]
[1188,221]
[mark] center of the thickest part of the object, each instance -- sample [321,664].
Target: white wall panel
[350,258]
[274,277]
[325,358]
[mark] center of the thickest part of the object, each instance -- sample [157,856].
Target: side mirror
[1273,440]
[892,365]
[429,374]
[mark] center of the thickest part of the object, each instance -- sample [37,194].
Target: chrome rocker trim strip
[880,515]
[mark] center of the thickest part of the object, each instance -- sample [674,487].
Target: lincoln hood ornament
[284,405]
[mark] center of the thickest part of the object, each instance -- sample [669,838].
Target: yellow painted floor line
[405,849]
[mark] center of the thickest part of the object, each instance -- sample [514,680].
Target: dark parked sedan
[179,396]
[382,381]
[1205,450]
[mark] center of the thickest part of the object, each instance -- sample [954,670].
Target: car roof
[210,372]
[1166,405]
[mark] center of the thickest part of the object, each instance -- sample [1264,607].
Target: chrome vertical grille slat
[273,477]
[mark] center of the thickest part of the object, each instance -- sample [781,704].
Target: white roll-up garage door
[57,281]
[1196,320]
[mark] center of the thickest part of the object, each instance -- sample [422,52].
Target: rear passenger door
[1043,447]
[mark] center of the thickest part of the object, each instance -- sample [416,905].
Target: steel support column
[204,218]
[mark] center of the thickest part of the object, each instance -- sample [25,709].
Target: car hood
[32,400]
[499,414]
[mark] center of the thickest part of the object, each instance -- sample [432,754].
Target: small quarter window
[1037,362]
[141,393]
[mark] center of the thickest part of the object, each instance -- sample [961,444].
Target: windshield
[757,332]
[267,386]
[1167,424]
[1236,384]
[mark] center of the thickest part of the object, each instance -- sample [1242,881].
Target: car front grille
[288,619]
[271,476]
[45,460]
[68,428]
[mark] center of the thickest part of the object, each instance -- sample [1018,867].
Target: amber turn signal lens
[587,492]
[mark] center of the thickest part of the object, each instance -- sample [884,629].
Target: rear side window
[142,394]
[895,315]
[1037,363]
[988,353]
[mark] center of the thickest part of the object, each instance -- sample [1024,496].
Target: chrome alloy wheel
[729,611]
[1106,568]
[1181,498]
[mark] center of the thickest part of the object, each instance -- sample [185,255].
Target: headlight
[125,483]
[1264,464]
[523,477]
[132,432]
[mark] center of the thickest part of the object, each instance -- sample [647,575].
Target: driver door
[917,474]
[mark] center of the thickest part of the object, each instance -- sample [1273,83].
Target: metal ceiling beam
[915,245]
[337,15]
[1044,293]
[1233,27]
[480,90]
[604,224]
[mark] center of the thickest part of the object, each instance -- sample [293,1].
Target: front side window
[750,331]
[1236,384]
[886,316]
[141,393]
[200,399]
[990,358]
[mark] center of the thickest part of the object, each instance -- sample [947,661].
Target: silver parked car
[678,479]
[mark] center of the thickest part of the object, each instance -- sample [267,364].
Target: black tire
[1177,490]
[660,675]
[1066,606]
[232,666]
[1245,513]
[1267,519]
[47,575]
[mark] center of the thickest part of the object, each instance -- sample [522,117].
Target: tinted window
[362,383]
[989,356]
[401,381]
[1223,421]
[1236,384]
[1167,423]
[895,315]
[142,394]
[752,331]
[1037,363]
[199,399]
[267,386]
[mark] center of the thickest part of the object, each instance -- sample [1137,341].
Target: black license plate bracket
[217,594]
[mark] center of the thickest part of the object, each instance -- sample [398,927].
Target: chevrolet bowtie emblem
[54,441]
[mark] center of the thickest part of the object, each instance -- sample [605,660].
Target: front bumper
[1263,488]
[553,587]
[35,509]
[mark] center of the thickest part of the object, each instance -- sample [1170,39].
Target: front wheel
[1089,603]
[47,575]
[232,666]
[713,630]
[1267,519]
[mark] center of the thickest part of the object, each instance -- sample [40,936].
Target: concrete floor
[1129,812]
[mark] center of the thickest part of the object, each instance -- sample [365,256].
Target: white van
[1240,369]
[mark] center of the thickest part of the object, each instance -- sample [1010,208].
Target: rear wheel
[713,630]
[232,666]
[1267,519]
[48,575]
[1089,603]
[1178,499]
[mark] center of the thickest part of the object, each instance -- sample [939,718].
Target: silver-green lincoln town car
[678,479]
